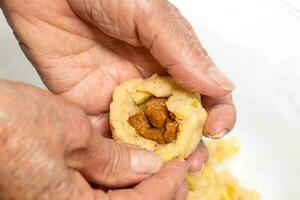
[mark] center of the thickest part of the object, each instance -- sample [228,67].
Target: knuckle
[118,22]
[150,9]
[97,14]
[107,157]
[100,15]
[115,159]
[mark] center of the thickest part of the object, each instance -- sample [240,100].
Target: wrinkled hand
[82,49]
[49,149]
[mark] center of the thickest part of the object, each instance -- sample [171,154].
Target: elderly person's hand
[82,49]
[49,149]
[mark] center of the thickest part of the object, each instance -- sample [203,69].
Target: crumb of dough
[213,184]
[222,150]
[155,122]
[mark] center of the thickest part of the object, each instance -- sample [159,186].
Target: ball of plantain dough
[185,105]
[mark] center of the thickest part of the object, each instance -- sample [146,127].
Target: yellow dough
[214,184]
[185,105]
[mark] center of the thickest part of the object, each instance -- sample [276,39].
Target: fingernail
[220,78]
[219,135]
[202,167]
[144,162]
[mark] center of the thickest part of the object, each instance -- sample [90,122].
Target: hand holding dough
[174,133]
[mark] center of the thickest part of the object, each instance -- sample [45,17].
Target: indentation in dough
[153,121]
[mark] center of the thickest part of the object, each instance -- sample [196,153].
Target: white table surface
[257,43]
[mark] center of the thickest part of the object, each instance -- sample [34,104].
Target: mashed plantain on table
[213,184]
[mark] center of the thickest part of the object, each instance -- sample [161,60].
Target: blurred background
[257,44]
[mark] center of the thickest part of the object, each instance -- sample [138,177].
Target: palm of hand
[75,59]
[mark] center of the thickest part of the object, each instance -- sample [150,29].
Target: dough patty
[176,134]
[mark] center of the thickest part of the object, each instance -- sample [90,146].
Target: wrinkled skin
[82,49]
[84,58]
[49,149]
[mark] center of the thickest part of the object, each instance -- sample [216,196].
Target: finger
[162,185]
[182,192]
[166,182]
[176,46]
[221,116]
[101,124]
[81,189]
[160,28]
[112,164]
[198,158]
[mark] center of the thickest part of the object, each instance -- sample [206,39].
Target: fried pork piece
[156,111]
[155,122]
[170,133]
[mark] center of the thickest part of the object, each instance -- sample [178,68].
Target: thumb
[160,27]
[112,164]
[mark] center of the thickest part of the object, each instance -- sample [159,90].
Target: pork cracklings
[158,115]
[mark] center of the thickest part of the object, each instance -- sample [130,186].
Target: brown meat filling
[155,122]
